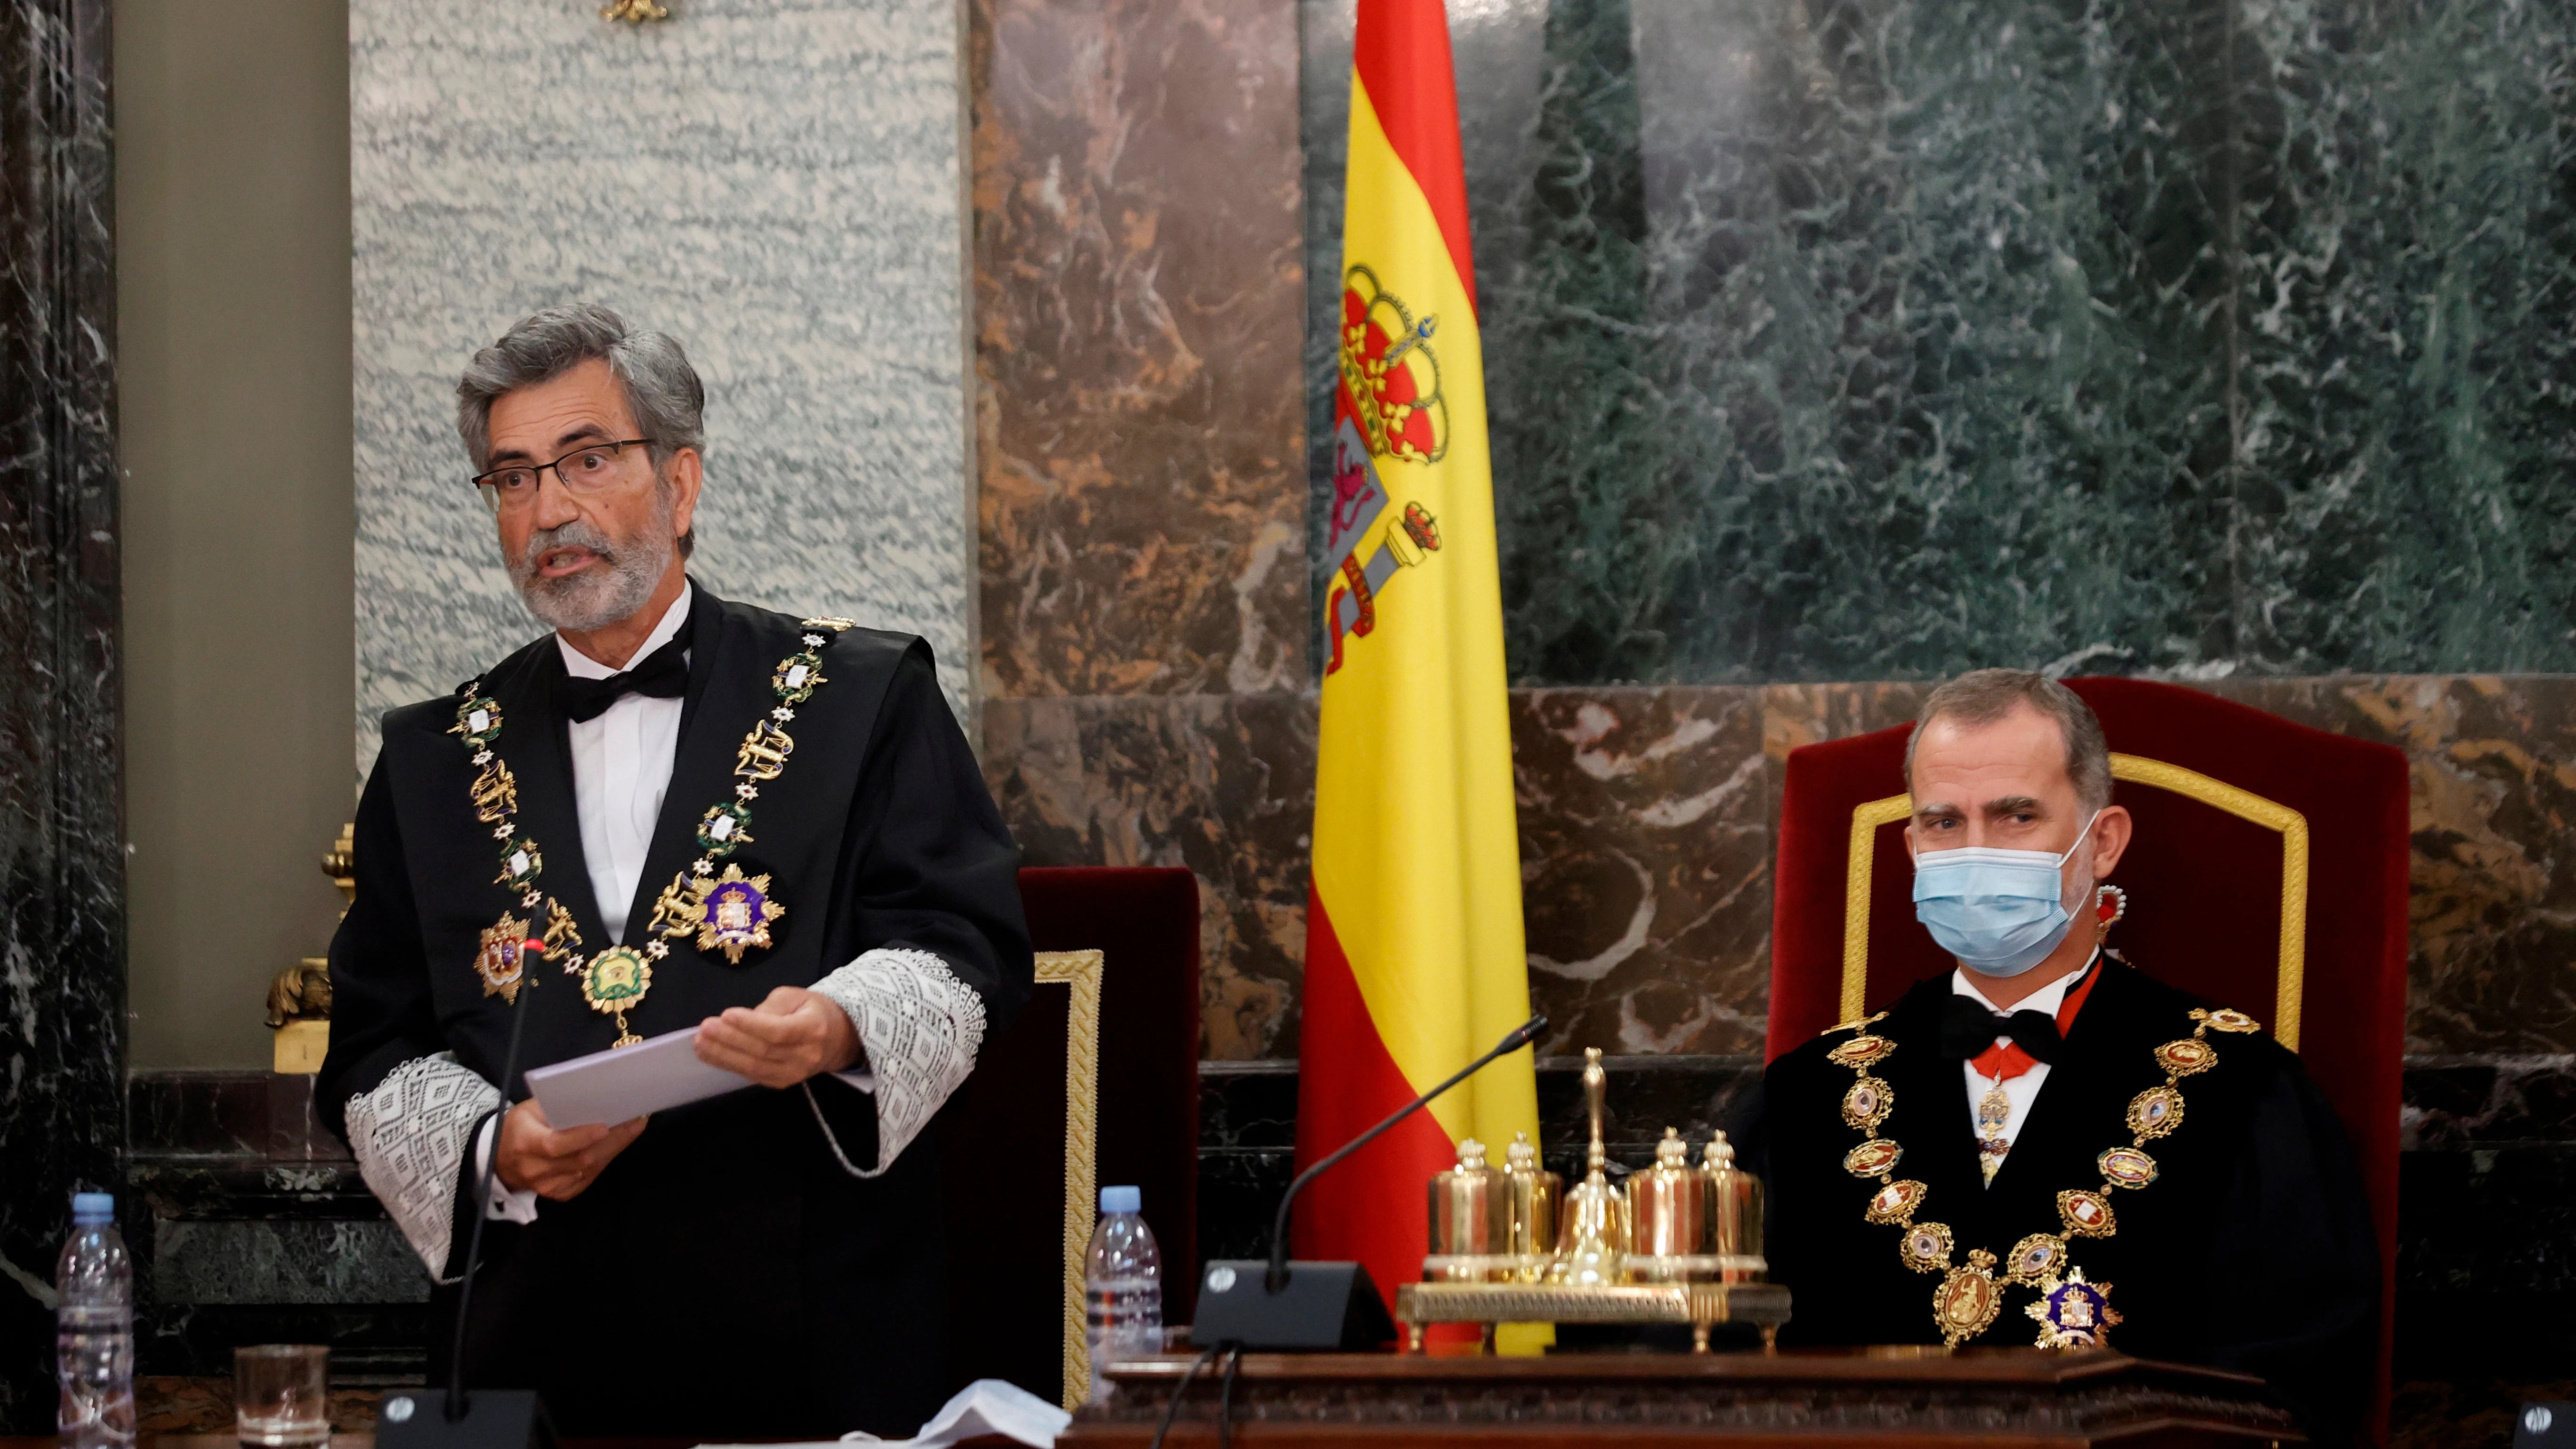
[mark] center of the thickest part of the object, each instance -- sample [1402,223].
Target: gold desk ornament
[1668,1218]
[1471,1222]
[1734,1238]
[1536,1195]
[1592,1249]
[299,997]
[1681,1245]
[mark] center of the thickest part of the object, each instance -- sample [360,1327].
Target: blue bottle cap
[1122,1200]
[93,1207]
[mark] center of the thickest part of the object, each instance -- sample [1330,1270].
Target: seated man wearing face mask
[1944,1171]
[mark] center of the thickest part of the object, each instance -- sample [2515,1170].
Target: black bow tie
[1969,1026]
[662,674]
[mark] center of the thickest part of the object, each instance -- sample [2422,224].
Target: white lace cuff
[409,1136]
[921,1027]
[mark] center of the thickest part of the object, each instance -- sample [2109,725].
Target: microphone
[509,1418]
[1317,1305]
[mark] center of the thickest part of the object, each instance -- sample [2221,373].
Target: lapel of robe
[702,765]
[1939,1138]
[536,741]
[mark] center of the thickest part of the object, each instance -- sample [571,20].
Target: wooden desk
[1867,1399]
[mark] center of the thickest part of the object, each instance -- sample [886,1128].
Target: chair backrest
[2269,873]
[1095,1082]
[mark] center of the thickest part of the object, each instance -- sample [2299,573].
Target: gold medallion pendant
[1873,1157]
[1868,1102]
[731,912]
[1925,1247]
[614,983]
[501,957]
[2074,1314]
[1968,1299]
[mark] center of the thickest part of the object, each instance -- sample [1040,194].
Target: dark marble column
[62,873]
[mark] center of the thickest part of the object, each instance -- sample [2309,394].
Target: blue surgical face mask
[1999,911]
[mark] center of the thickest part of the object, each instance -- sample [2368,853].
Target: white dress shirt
[2023,1090]
[621,769]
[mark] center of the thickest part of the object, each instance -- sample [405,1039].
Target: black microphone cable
[1225,1401]
[483,1191]
[1173,1409]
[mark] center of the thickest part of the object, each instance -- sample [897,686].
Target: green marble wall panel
[1835,339]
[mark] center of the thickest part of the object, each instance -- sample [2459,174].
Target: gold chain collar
[2071,1312]
[731,912]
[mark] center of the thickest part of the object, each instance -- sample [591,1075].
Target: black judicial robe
[724,1276]
[2252,1250]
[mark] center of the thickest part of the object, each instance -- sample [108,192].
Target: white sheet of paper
[621,1083]
[986,1406]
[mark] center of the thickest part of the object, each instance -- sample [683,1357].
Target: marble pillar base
[249,1224]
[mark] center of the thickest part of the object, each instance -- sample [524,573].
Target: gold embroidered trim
[1080,970]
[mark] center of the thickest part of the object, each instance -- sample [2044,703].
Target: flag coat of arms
[1414,958]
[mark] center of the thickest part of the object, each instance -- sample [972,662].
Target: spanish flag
[1414,960]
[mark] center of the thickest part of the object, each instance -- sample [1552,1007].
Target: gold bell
[1593,1250]
[1734,1237]
[1536,1194]
[1471,1222]
[1668,1217]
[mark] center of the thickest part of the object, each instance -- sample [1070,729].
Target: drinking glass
[281,1397]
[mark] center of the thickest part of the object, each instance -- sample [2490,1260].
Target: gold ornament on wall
[633,12]
[299,997]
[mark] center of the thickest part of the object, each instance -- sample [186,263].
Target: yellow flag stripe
[1416,851]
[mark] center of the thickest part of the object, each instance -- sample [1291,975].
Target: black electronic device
[485,1418]
[2545,1425]
[1311,1306]
[1321,1306]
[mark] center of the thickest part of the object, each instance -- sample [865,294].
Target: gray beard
[593,598]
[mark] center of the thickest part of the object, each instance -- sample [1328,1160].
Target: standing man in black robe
[671,813]
[2006,1149]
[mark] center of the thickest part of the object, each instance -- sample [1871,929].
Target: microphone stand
[1277,1277]
[482,1206]
[494,1418]
[1318,1305]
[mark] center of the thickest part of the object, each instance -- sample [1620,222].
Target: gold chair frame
[2289,990]
[1079,971]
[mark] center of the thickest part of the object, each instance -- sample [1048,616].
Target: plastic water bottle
[94,1330]
[1123,1284]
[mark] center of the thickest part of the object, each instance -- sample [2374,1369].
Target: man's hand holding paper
[793,1034]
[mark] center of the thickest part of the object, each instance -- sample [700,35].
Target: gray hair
[662,390]
[1983,696]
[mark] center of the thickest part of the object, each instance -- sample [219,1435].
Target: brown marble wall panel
[1645,866]
[1139,296]
[1222,784]
[2492,762]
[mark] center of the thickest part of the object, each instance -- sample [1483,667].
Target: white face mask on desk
[1999,911]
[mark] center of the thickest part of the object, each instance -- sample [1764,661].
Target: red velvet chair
[1096,1082]
[2288,900]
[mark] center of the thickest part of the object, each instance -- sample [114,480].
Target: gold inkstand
[1677,1243]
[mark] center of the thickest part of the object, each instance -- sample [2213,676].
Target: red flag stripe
[1402,59]
[1371,1206]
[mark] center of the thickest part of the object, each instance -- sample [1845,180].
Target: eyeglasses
[583,471]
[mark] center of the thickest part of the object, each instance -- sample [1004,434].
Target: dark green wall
[1863,339]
